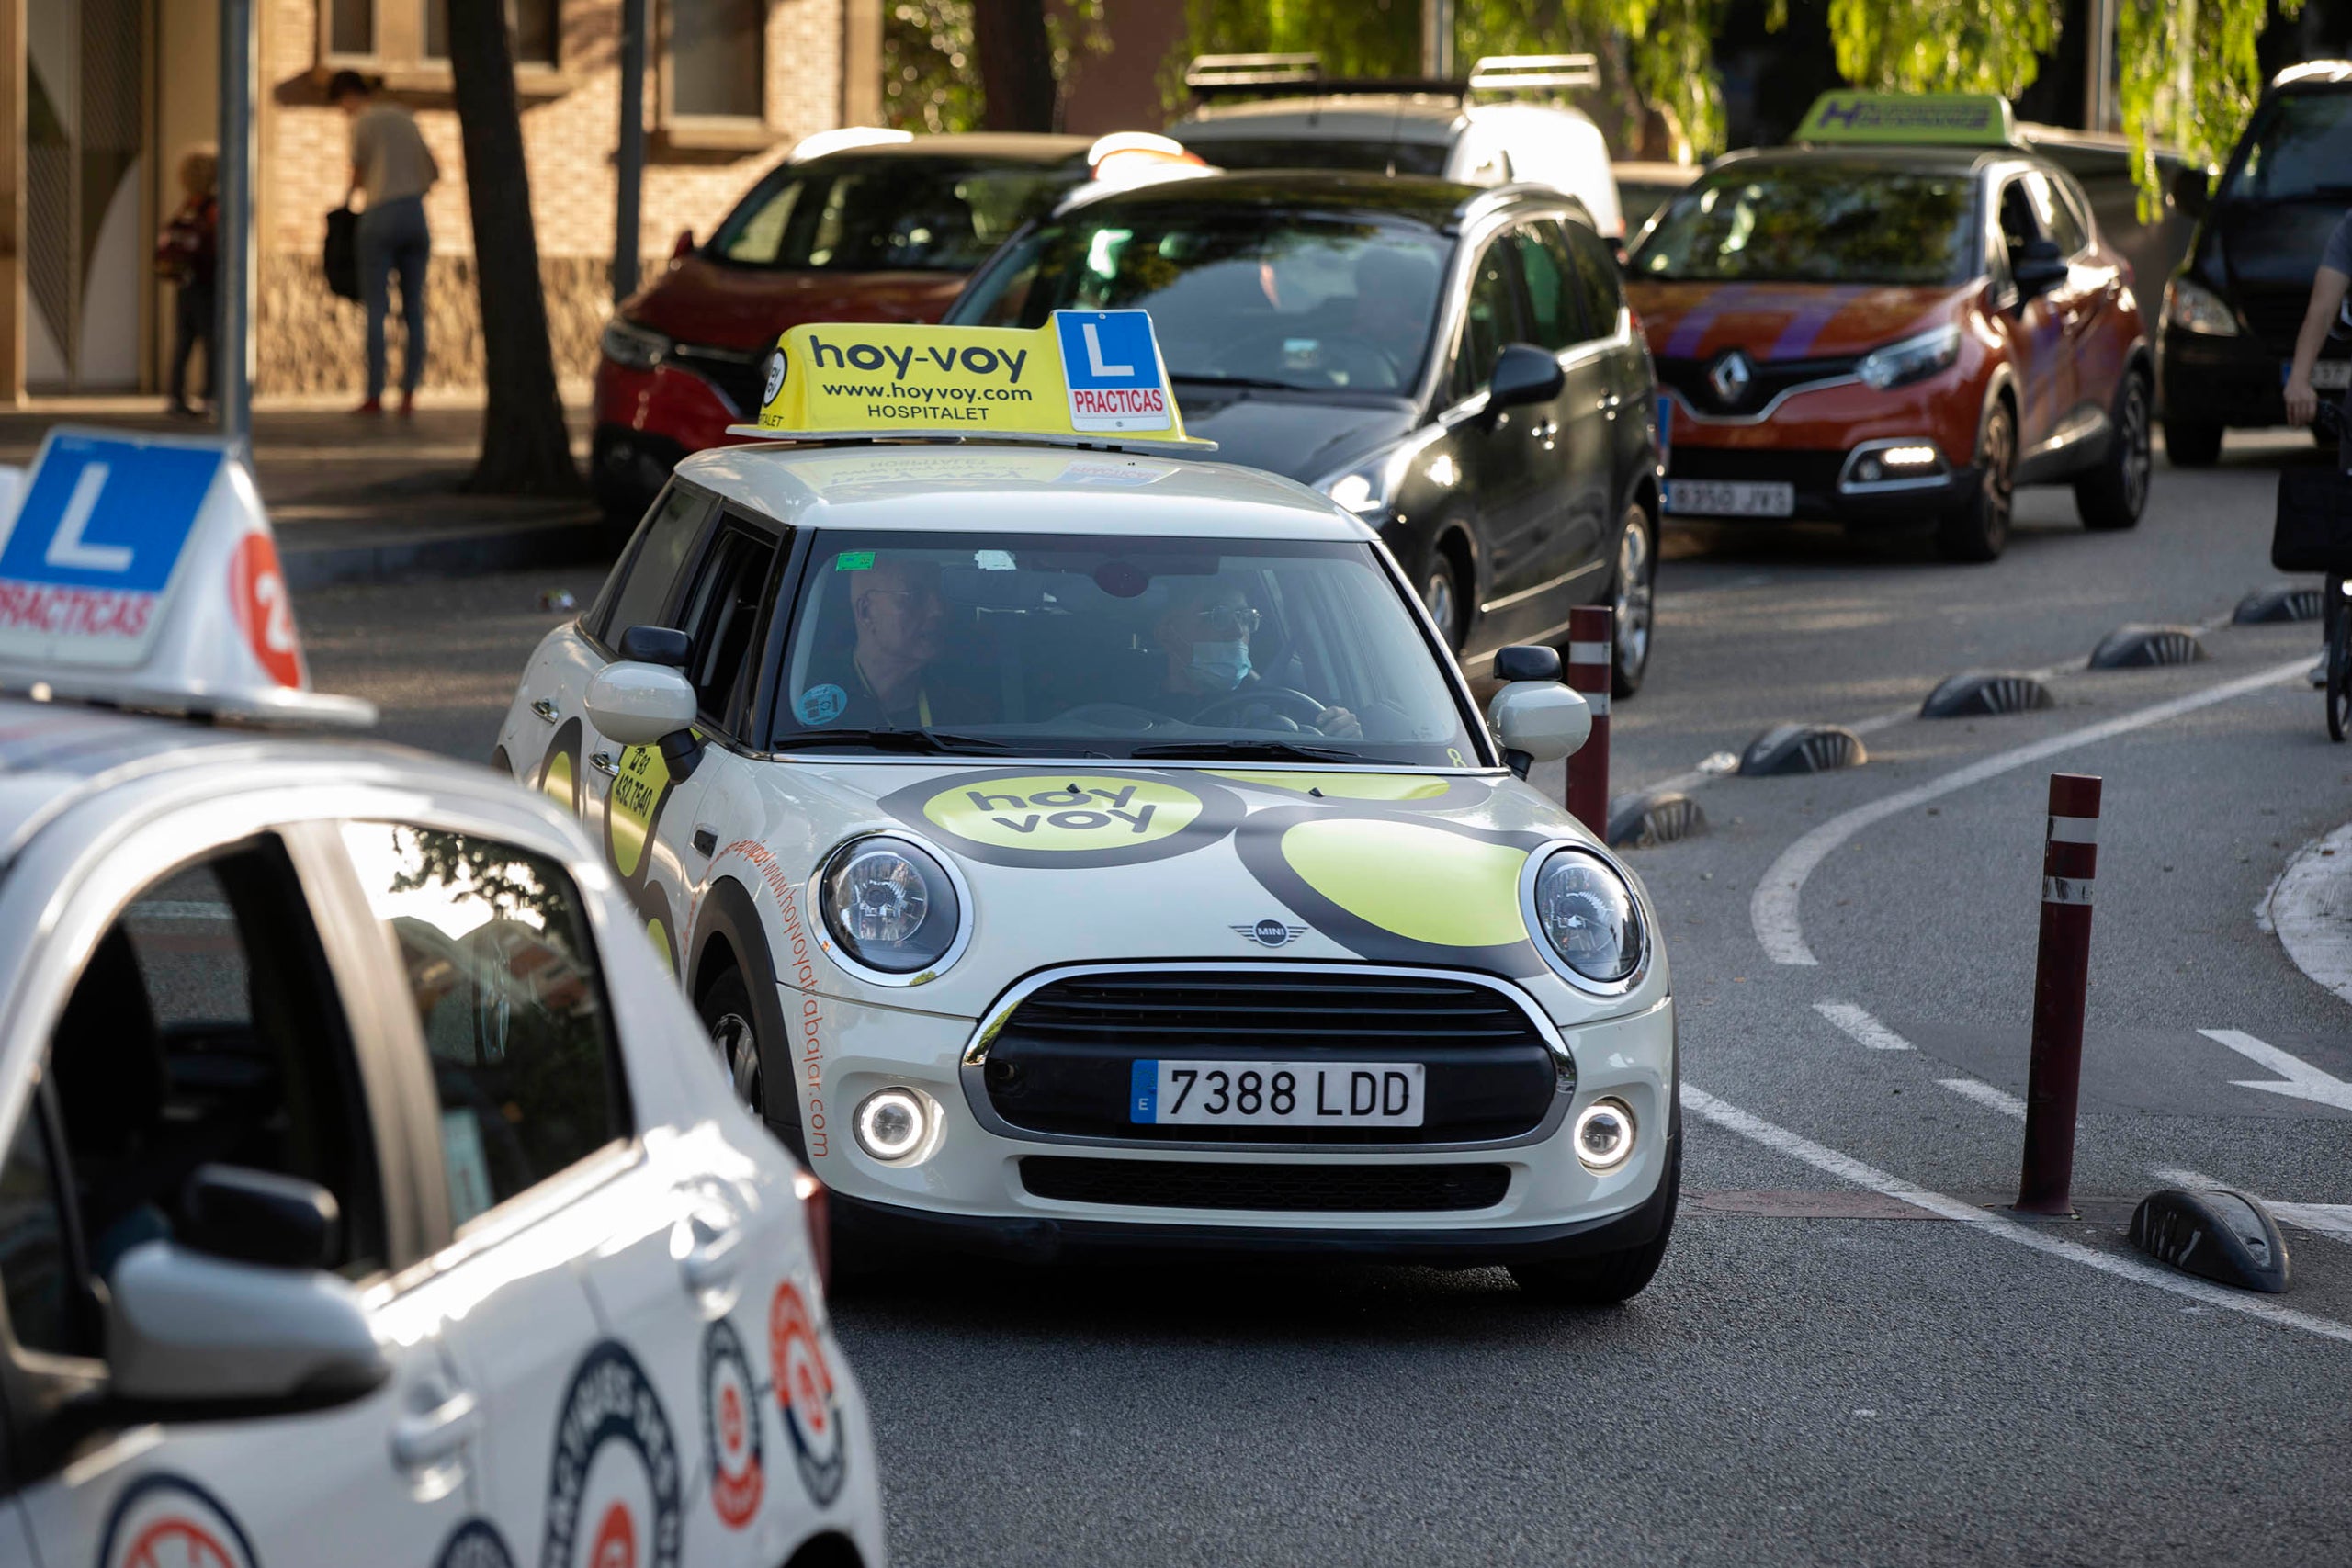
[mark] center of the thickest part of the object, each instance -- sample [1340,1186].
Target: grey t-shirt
[2337,257]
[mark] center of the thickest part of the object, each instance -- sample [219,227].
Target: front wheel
[2114,494]
[725,1008]
[1634,597]
[1613,1277]
[1979,530]
[2339,676]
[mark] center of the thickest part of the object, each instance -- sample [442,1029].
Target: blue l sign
[1111,365]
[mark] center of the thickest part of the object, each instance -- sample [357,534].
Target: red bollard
[2060,975]
[1592,630]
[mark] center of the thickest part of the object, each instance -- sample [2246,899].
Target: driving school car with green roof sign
[1075,846]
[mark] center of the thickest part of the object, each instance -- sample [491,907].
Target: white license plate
[1276,1094]
[2332,375]
[1729,498]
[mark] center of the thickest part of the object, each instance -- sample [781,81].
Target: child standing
[188,254]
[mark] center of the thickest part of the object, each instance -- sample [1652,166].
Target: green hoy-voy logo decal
[1068,820]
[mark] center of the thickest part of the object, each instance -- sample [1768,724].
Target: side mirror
[657,644]
[182,1330]
[639,704]
[252,1216]
[2038,266]
[2192,190]
[1537,721]
[1527,662]
[1524,374]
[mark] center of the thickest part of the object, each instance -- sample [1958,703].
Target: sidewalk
[361,500]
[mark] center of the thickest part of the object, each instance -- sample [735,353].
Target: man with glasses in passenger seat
[2326,315]
[1205,676]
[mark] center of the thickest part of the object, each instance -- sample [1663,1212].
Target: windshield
[1237,295]
[1817,222]
[1322,152]
[1084,646]
[897,214]
[2298,149]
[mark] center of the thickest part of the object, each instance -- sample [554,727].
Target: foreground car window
[1112,648]
[1817,223]
[885,214]
[2299,149]
[1241,296]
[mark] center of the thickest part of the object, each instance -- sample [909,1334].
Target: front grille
[1317,1189]
[1768,379]
[1062,1062]
[739,375]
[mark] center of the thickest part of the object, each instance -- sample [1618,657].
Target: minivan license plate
[1195,1093]
[1726,497]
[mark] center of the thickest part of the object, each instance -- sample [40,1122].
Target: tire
[2192,444]
[726,1008]
[1633,593]
[1441,596]
[1979,530]
[1611,1277]
[2113,495]
[2339,678]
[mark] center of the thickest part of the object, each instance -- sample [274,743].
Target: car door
[1571,439]
[2089,302]
[2034,324]
[1503,483]
[205,1024]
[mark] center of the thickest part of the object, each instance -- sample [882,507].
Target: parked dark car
[1455,364]
[2231,315]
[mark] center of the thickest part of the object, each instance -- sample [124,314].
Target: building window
[532,27]
[351,27]
[718,59]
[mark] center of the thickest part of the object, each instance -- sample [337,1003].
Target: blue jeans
[393,238]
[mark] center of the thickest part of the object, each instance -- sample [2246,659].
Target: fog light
[1604,1135]
[1910,456]
[890,1123]
[1868,472]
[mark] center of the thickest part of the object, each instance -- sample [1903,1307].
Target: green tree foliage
[1942,46]
[930,72]
[2190,76]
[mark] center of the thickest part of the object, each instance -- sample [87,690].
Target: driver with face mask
[1204,642]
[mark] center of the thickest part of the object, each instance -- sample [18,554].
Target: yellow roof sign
[1923,119]
[1094,377]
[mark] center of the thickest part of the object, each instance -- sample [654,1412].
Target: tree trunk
[1017,84]
[525,449]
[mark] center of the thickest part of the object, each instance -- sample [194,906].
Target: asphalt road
[1821,1371]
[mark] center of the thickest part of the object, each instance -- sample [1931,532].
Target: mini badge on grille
[1271,932]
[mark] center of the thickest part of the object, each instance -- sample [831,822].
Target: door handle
[432,1435]
[546,710]
[603,762]
[714,1255]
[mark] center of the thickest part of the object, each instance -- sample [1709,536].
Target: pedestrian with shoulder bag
[392,168]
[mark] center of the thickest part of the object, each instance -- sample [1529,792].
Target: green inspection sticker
[853,560]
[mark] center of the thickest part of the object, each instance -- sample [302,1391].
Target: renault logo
[1730,376]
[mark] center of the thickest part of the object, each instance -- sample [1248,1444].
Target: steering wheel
[1351,352]
[1287,701]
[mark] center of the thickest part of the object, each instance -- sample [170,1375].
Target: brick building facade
[100,100]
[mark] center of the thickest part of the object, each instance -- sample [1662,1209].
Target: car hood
[700,301]
[1785,320]
[1099,862]
[1285,434]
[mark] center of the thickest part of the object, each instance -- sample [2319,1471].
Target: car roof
[1412,198]
[1011,146]
[1904,159]
[1014,487]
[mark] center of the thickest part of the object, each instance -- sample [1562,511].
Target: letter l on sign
[1094,355]
[67,548]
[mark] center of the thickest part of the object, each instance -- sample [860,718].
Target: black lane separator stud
[1645,820]
[1801,749]
[1986,692]
[2139,648]
[2224,1237]
[2279,602]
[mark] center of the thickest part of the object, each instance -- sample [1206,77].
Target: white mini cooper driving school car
[1077,848]
[366,1191]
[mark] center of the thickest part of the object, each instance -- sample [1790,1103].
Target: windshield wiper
[1273,750]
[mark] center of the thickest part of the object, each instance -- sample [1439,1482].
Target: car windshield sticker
[805,1393]
[732,1426]
[994,560]
[164,1520]
[95,546]
[821,705]
[853,560]
[1069,820]
[613,1486]
[475,1544]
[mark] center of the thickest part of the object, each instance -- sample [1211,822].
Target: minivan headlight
[1585,911]
[2193,308]
[889,907]
[633,347]
[1913,359]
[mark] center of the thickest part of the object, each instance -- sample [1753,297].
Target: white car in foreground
[366,1193]
[1082,849]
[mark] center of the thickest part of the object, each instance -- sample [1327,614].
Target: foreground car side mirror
[2038,266]
[639,703]
[1524,374]
[1537,721]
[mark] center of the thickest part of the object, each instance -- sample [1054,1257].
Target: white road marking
[2310,907]
[1985,1094]
[1862,1026]
[1773,909]
[2327,1219]
[1846,1168]
[2303,1081]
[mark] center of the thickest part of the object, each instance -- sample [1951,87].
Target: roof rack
[1527,72]
[1220,73]
[1292,75]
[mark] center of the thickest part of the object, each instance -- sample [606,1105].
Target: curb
[450,553]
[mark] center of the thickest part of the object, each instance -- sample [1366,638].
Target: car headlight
[1586,914]
[2193,308]
[890,905]
[1370,489]
[633,347]
[1913,359]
